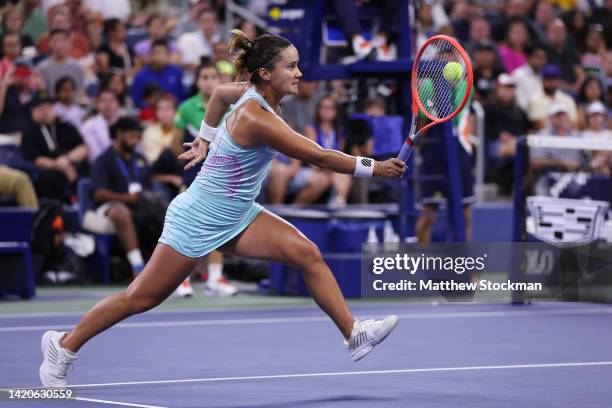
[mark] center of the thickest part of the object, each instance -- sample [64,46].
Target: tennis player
[218,211]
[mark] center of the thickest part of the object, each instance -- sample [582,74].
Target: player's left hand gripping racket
[441,84]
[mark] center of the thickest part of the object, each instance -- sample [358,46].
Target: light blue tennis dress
[220,203]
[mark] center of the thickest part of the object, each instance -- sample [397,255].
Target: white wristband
[364,167]
[207,132]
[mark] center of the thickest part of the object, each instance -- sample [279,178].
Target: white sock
[215,272]
[135,258]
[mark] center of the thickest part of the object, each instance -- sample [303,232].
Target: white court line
[345,373]
[266,308]
[307,319]
[125,404]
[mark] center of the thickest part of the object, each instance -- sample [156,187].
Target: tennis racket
[441,84]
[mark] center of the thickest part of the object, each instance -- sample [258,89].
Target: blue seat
[99,262]
[17,273]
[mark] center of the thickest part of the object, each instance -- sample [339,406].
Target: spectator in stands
[561,54]
[59,64]
[480,32]
[591,91]
[600,161]
[543,159]
[56,148]
[65,107]
[486,69]
[12,23]
[288,176]
[117,83]
[96,130]
[11,47]
[157,30]
[35,22]
[299,110]
[431,17]
[168,77]
[594,49]
[188,22]
[120,57]
[142,10]
[326,132]
[528,77]
[16,89]
[504,122]
[190,113]
[539,104]
[59,19]
[161,148]
[596,114]
[195,45]
[17,184]
[544,14]
[249,29]
[513,10]
[512,51]
[110,9]
[119,177]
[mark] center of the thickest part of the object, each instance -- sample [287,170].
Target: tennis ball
[452,71]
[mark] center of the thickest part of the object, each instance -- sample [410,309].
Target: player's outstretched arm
[222,97]
[269,129]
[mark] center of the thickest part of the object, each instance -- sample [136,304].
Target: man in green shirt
[187,121]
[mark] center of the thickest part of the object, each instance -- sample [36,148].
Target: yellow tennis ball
[452,71]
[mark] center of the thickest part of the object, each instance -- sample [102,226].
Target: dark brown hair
[250,56]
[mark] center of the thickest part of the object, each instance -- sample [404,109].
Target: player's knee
[306,253]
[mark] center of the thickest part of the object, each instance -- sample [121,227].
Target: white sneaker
[57,361]
[368,333]
[221,287]
[361,47]
[184,290]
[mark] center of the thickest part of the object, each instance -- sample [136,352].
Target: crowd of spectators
[70,70]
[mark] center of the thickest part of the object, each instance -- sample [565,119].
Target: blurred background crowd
[108,90]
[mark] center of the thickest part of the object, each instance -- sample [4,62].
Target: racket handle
[406,151]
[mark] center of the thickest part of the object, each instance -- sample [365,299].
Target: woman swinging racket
[218,211]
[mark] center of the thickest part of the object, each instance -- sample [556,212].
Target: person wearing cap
[544,159]
[538,107]
[119,176]
[56,148]
[527,77]
[504,122]
[596,115]
[599,160]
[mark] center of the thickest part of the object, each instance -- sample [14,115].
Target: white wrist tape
[207,132]
[364,167]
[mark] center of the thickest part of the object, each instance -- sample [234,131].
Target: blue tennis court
[454,354]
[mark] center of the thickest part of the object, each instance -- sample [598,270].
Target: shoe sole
[365,349]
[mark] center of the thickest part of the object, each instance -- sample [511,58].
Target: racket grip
[406,151]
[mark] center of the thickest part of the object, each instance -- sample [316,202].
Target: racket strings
[440,97]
